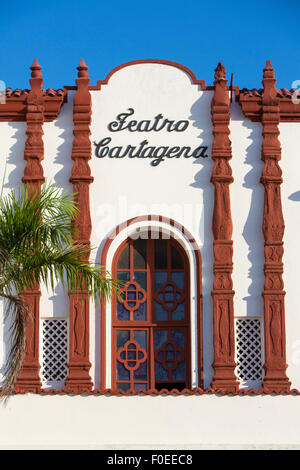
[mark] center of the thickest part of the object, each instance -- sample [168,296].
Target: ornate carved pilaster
[79,379]
[273,230]
[29,379]
[224,365]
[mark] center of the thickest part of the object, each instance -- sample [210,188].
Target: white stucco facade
[179,189]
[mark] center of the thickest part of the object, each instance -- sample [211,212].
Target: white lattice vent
[248,349]
[54,350]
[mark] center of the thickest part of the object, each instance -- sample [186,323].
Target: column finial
[82,69]
[220,72]
[36,69]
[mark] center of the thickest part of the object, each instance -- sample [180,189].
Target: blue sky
[243,35]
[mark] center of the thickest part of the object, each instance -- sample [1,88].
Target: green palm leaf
[36,234]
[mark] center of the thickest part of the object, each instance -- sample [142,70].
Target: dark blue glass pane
[123,355]
[169,295]
[122,337]
[122,312]
[160,254]
[140,387]
[159,312]
[170,355]
[123,276]
[169,363]
[160,279]
[122,372]
[141,338]
[140,313]
[141,372]
[160,337]
[179,372]
[123,386]
[178,337]
[160,372]
[176,259]
[179,312]
[178,279]
[131,354]
[131,363]
[131,295]
[123,261]
[139,253]
[141,279]
[179,355]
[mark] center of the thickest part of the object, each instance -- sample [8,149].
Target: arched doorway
[151,317]
[157,226]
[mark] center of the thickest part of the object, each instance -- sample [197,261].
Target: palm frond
[52,266]
[3,181]
[28,218]
[19,310]
[36,245]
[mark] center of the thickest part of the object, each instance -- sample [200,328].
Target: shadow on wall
[96,256]
[6,327]
[14,172]
[252,231]
[64,122]
[60,301]
[64,150]
[16,156]
[294,196]
[202,121]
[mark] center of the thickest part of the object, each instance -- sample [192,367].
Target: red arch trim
[150,61]
[103,261]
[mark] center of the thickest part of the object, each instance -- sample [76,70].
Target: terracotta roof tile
[254,93]
[17,92]
[51,92]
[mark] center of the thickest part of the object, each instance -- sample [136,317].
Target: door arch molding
[175,230]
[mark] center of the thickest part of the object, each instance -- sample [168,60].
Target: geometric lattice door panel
[54,369]
[248,357]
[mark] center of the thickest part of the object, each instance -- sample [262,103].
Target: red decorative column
[29,378]
[79,379]
[224,365]
[273,229]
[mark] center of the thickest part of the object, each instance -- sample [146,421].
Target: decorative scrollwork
[132,355]
[169,296]
[132,296]
[169,355]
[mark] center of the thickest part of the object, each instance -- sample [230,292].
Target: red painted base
[29,379]
[79,380]
[224,379]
